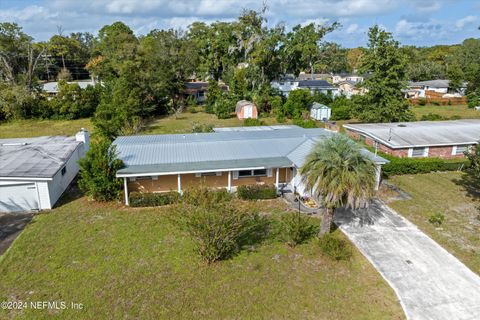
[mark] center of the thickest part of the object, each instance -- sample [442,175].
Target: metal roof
[52,87]
[39,157]
[173,153]
[421,133]
[256,128]
[315,83]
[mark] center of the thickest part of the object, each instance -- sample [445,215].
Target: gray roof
[52,87]
[256,128]
[317,105]
[421,133]
[39,157]
[215,151]
[438,83]
[315,83]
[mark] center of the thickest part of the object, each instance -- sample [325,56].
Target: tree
[338,175]
[384,101]
[298,101]
[98,169]
[455,77]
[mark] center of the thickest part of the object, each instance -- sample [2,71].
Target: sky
[412,22]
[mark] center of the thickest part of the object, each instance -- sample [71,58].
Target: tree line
[144,76]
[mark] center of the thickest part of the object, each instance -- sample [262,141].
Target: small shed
[246,109]
[320,112]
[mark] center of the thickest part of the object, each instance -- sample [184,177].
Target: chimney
[83,136]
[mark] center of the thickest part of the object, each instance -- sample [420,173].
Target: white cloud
[461,23]
[27,13]
[352,28]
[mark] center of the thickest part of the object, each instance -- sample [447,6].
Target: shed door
[18,197]
[247,111]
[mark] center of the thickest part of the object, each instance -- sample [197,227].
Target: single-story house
[337,78]
[442,139]
[34,172]
[199,89]
[320,112]
[51,88]
[286,85]
[422,89]
[225,159]
[349,88]
[246,110]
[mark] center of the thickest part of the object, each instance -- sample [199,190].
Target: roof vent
[401,125]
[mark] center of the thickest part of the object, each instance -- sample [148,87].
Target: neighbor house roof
[315,83]
[225,150]
[52,87]
[39,157]
[438,83]
[421,133]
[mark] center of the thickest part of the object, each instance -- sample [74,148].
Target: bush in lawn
[255,192]
[305,123]
[335,248]
[250,122]
[436,219]
[432,117]
[296,228]
[422,102]
[138,199]
[97,171]
[204,196]
[201,127]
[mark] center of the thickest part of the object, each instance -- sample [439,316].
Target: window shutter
[198,174]
[235,175]
[219,173]
[269,172]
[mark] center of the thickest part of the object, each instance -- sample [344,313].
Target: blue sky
[415,22]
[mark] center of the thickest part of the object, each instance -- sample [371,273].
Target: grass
[34,128]
[185,121]
[133,263]
[454,196]
[446,111]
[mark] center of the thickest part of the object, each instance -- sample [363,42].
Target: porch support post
[378,171]
[229,188]
[125,186]
[179,182]
[277,173]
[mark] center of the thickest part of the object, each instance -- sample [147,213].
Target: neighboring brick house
[441,139]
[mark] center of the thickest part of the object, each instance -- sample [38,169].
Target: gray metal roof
[219,150]
[315,83]
[52,87]
[256,128]
[421,133]
[39,157]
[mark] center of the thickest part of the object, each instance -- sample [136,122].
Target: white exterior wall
[60,182]
[43,195]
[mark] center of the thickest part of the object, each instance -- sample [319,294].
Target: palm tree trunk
[326,221]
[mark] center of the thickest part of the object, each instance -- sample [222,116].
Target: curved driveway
[430,282]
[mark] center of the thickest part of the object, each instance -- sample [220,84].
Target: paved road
[11,224]
[430,282]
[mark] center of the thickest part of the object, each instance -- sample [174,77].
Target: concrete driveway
[11,224]
[430,282]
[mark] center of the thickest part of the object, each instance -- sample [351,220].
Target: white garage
[34,172]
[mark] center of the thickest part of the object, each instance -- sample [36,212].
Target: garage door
[18,197]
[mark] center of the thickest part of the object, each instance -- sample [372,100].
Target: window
[461,149]
[419,152]
[64,170]
[252,173]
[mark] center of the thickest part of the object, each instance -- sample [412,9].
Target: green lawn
[133,263]
[34,128]
[446,111]
[448,193]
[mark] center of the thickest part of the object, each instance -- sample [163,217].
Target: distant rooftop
[256,128]
[39,157]
[315,83]
[421,133]
[52,87]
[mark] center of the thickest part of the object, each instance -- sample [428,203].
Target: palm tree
[339,175]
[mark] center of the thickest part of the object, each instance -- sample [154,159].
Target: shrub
[436,219]
[254,192]
[250,122]
[296,228]
[432,117]
[335,248]
[199,127]
[97,171]
[139,199]
[204,196]
[398,166]
[435,103]
[422,102]
[305,123]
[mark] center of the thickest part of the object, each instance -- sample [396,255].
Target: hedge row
[398,166]
[254,192]
[138,199]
